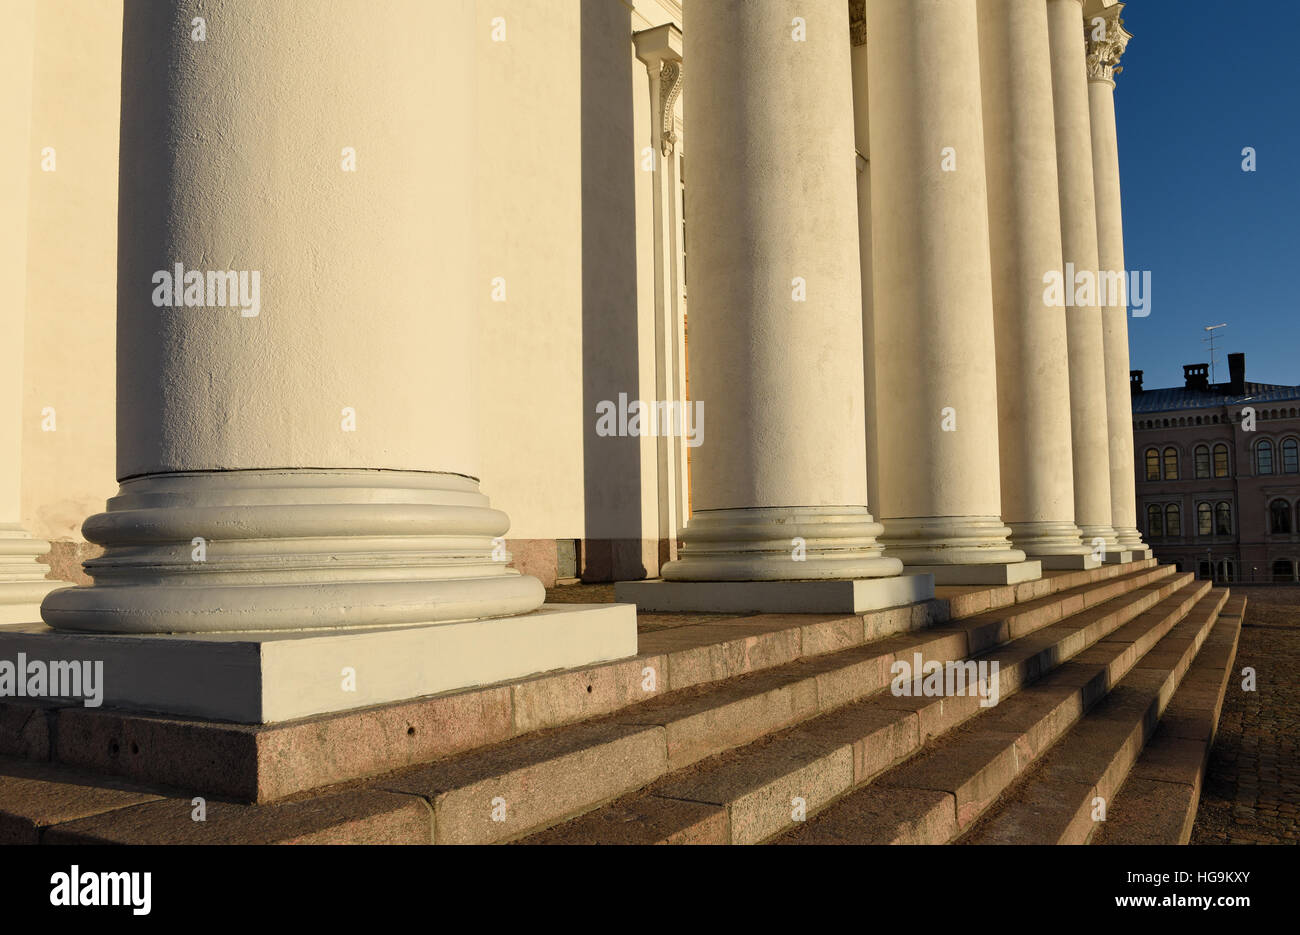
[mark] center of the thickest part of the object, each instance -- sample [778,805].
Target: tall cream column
[22,577]
[303,455]
[1025,242]
[779,483]
[935,369]
[1107,40]
[1092,504]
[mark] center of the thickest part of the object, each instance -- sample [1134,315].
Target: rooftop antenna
[1209,339]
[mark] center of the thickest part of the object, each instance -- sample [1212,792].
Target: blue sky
[1200,83]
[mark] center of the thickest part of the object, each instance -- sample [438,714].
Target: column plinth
[779,482]
[1025,244]
[1088,401]
[293,550]
[935,370]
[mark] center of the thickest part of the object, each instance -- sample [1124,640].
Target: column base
[305,549]
[1051,540]
[258,678]
[1106,534]
[776,597]
[999,574]
[1129,538]
[781,544]
[950,540]
[23,584]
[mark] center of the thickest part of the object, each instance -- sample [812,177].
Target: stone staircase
[784,729]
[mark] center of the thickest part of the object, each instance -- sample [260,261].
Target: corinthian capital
[1106,37]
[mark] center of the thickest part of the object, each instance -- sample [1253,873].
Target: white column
[1092,504]
[308,459]
[779,483]
[22,577]
[1025,243]
[932,309]
[1107,40]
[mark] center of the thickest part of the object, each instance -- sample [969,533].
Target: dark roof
[1179,397]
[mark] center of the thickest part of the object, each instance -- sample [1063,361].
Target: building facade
[1218,468]
[456,370]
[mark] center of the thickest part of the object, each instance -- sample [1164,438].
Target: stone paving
[1252,790]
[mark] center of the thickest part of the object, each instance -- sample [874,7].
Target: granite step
[758,786]
[1157,803]
[507,790]
[1062,799]
[677,653]
[939,793]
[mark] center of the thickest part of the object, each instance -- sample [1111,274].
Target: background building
[1218,469]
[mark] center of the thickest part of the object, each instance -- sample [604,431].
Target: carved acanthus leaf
[1106,40]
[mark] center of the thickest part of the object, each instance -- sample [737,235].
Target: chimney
[1237,374]
[1135,382]
[1196,376]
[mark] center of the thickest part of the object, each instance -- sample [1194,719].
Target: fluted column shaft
[1107,40]
[22,578]
[779,483]
[1025,243]
[306,458]
[936,386]
[1088,405]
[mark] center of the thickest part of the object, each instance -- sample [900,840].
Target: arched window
[1202,458]
[1155,521]
[1264,457]
[1173,520]
[1171,463]
[1153,464]
[1221,461]
[1223,518]
[1283,571]
[1290,456]
[1279,517]
[1204,519]
[1227,570]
